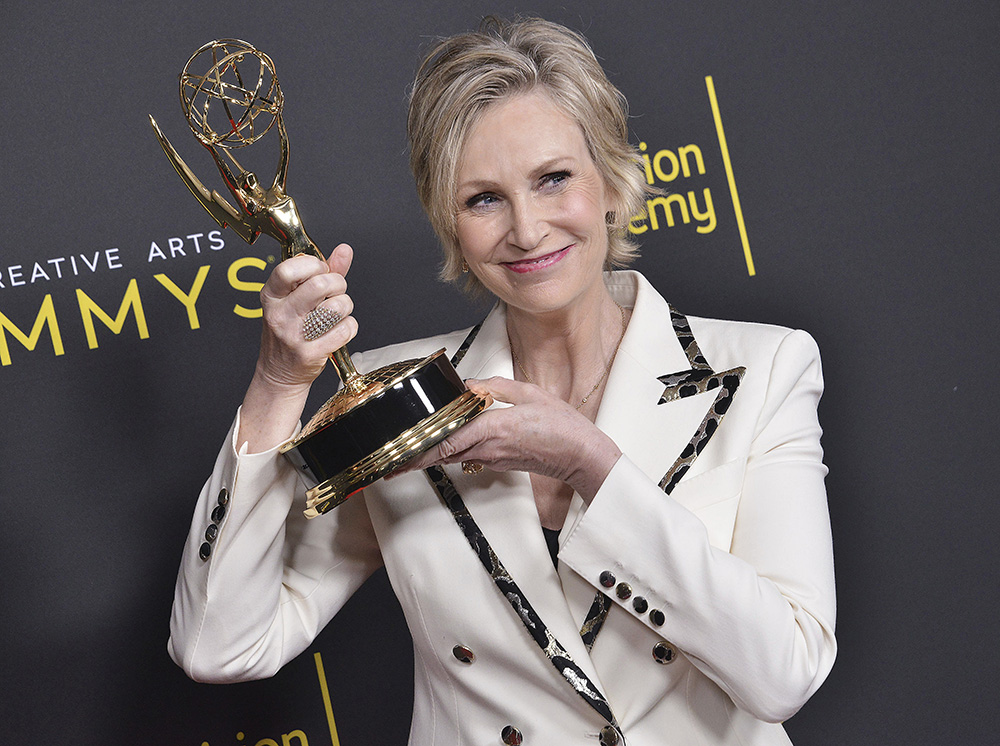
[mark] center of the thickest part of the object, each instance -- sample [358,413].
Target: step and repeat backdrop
[829,166]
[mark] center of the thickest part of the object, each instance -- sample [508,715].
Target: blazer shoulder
[727,343]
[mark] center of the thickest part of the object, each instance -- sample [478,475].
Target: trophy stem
[346,370]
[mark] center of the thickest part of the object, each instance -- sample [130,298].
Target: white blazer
[718,579]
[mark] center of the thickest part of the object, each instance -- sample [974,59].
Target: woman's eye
[485,199]
[555,178]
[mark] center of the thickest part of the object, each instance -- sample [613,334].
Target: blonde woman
[632,546]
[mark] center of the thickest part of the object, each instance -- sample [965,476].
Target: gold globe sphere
[236,100]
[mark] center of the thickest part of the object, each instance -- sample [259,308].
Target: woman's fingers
[291,273]
[496,437]
[539,433]
[446,452]
[302,292]
[508,391]
[307,315]
[340,259]
[325,318]
[314,278]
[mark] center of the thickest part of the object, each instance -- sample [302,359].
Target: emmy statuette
[377,421]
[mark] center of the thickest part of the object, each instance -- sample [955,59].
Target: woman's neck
[566,351]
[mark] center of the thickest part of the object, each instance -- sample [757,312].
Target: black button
[609,736]
[657,618]
[608,579]
[223,496]
[219,513]
[211,532]
[663,652]
[623,591]
[640,604]
[463,653]
[206,551]
[510,735]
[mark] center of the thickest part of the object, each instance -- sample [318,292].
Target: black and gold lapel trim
[466,344]
[699,379]
[557,655]
[727,382]
[595,619]
[682,329]
[550,646]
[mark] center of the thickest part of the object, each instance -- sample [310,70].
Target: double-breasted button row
[212,532]
[509,735]
[609,736]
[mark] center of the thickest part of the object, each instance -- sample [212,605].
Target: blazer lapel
[660,394]
[510,524]
[657,395]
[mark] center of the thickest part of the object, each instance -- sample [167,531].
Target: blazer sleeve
[254,591]
[758,619]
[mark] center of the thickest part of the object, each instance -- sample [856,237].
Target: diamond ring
[318,322]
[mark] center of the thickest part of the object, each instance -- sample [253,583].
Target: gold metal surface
[425,434]
[238,104]
[225,88]
[344,400]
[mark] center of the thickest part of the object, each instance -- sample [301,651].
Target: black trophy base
[375,425]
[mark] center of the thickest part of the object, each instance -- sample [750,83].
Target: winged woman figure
[270,211]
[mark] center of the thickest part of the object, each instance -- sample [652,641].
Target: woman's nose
[528,226]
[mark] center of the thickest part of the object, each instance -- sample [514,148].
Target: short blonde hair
[464,75]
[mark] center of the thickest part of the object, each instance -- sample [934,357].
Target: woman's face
[531,206]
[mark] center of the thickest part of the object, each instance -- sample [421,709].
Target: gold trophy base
[426,434]
[392,415]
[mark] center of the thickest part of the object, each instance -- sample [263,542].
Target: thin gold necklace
[606,369]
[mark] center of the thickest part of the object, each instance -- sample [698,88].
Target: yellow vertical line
[729,174]
[334,738]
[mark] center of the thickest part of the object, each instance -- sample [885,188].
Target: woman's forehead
[525,130]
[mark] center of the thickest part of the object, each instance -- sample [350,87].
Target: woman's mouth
[541,262]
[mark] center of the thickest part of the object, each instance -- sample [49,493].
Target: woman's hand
[296,287]
[288,363]
[540,434]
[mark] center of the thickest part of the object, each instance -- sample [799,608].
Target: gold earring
[465,267]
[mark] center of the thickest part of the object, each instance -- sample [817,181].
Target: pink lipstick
[533,265]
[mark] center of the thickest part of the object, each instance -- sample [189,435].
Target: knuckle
[342,333]
[283,273]
[335,283]
[446,448]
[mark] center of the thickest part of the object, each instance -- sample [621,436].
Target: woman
[645,557]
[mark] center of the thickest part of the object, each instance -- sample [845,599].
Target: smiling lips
[533,265]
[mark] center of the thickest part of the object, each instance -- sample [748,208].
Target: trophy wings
[221,211]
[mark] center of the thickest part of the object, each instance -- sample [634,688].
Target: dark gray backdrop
[863,140]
